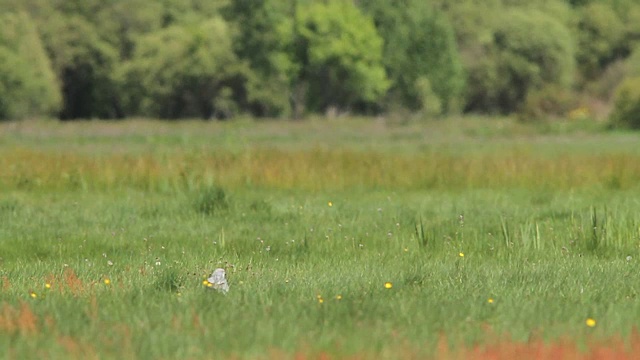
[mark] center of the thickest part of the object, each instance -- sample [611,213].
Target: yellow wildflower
[590,322]
[388,285]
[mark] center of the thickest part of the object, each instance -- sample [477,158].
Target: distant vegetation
[289,58]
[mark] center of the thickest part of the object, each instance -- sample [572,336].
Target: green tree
[120,22]
[606,31]
[28,86]
[84,63]
[183,71]
[600,36]
[420,54]
[264,40]
[184,12]
[82,53]
[339,54]
[528,51]
[87,39]
[492,70]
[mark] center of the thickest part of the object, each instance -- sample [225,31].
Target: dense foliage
[27,83]
[626,111]
[219,58]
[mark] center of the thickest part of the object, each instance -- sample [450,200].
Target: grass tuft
[211,200]
[169,281]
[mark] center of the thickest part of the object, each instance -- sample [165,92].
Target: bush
[550,101]
[626,108]
[604,87]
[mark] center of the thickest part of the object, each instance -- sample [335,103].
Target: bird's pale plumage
[218,281]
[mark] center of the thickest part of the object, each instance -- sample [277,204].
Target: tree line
[286,58]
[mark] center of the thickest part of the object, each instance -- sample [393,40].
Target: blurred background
[537,60]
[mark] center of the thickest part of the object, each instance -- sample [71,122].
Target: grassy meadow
[344,238]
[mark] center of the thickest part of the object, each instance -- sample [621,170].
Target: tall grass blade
[421,236]
[505,232]
[595,233]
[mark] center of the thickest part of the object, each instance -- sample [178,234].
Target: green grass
[303,212]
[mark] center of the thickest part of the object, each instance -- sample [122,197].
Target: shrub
[550,101]
[626,108]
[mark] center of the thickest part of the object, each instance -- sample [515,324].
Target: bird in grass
[218,281]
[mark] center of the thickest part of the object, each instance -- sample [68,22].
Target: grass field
[475,238]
